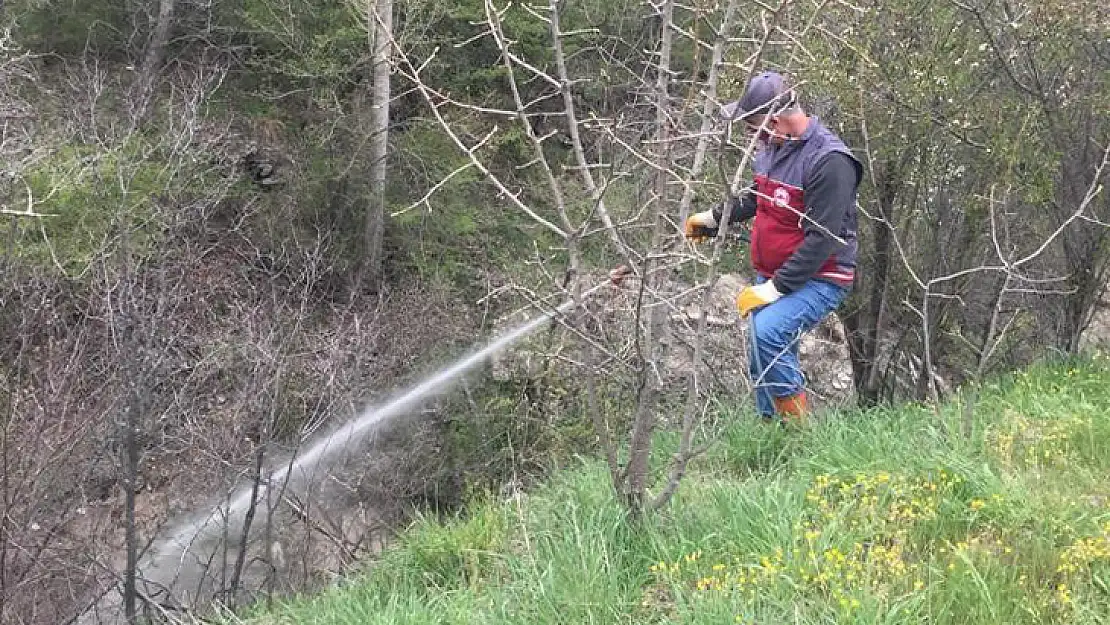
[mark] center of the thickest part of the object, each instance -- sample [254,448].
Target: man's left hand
[757,296]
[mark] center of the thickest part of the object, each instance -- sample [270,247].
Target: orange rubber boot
[792,409]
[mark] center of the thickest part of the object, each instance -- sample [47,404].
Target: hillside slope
[882,517]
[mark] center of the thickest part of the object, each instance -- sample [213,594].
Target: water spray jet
[180,564]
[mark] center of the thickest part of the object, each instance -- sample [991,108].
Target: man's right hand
[701,226]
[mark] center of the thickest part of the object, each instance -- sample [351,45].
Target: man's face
[764,128]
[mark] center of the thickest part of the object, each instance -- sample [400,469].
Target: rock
[1097,334]
[725,291]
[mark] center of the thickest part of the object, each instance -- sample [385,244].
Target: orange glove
[701,226]
[757,296]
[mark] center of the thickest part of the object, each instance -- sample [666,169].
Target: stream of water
[179,563]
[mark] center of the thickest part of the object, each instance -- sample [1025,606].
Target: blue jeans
[776,331]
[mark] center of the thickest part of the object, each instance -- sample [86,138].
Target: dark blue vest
[780,175]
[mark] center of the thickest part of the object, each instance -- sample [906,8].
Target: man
[803,241]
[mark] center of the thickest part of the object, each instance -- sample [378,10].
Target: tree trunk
[650,349]
[381,29]
[130,481]
[152,61]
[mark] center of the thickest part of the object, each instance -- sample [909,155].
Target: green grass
[889,516]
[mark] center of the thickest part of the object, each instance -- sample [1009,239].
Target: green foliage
[319,43]
[461,552]
[69,28]
[485,80]
[516,429]
[463,229]
[91,195]
[875,517]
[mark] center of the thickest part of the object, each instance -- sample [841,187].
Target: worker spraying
[803,240]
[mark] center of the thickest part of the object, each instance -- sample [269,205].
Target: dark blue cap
[767,93]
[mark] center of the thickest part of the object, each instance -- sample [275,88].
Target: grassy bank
[894,516]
